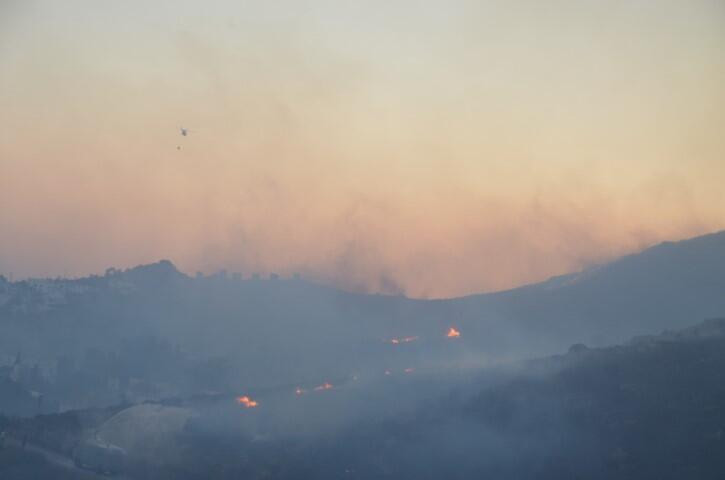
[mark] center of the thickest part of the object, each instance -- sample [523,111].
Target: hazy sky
[434,148]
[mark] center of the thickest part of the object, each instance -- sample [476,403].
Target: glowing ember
[453,333]
[324,386]
[247,402]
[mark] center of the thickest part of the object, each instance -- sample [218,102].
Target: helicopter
[184,132]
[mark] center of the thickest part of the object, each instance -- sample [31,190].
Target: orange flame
[324,386]
[247,402]
[453,333]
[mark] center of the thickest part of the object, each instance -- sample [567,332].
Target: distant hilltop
[706,251]
[163,270]
[37,295]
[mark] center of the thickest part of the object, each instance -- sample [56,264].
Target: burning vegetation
[247,402]
[452,332]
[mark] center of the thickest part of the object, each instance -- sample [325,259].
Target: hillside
[653,408]
[151,332]
[659,288]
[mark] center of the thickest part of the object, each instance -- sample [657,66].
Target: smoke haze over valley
[151,372]
[327,239]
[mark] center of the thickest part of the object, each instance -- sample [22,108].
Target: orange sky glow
[428,149]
